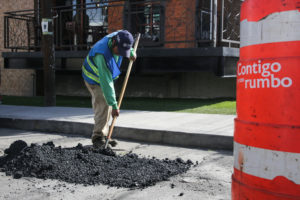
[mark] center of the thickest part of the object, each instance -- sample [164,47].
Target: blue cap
[124,43]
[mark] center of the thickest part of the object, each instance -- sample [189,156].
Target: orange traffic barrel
[267,126]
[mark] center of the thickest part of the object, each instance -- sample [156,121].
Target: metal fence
[79,26]
[21,30]
[230,25]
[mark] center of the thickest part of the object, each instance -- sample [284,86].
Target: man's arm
[106,81]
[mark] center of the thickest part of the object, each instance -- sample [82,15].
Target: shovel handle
[110,131]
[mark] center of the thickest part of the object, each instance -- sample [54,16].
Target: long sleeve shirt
[105,77]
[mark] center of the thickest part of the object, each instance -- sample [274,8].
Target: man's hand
[133,58]
[115,113]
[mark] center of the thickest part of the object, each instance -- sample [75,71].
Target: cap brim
[124,52]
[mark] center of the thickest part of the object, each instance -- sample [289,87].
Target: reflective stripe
[277,27]
[266,163]
[93,67]
[91,76]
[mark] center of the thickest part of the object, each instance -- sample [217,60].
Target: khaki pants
[102,111]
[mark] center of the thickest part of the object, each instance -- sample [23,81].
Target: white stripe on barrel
[276,27]
[267,164]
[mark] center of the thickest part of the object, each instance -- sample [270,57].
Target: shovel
[122,91]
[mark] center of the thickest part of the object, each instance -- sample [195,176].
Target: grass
[209,106]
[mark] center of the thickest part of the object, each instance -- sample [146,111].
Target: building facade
[188,48]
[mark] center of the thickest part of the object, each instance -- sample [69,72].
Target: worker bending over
[100,68]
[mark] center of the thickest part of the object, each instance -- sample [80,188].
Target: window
[145,17]
[204,20]
[80,23]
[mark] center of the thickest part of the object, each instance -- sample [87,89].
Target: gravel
[87,166]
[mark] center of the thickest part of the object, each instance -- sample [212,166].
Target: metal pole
[215,21]
[48,54]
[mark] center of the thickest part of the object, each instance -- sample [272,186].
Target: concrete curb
[182,139]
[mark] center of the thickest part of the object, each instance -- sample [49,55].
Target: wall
[70,85]
[200,85]
[14,82]
[180,23]
[115,17]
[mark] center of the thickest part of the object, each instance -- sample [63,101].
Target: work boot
[98,142]
[113,142]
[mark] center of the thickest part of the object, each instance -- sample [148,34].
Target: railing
[21,30]
[79,26]
[230,22]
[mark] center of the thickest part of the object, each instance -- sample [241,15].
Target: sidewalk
[179,129]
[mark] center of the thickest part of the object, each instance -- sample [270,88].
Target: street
[210,179]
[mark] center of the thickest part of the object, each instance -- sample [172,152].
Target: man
[100,68]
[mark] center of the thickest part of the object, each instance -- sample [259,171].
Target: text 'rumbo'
[262,75]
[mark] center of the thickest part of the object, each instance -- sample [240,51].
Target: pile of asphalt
[85,165]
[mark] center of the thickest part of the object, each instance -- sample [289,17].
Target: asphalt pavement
[211,131]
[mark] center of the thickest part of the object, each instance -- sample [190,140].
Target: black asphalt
[85,165]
